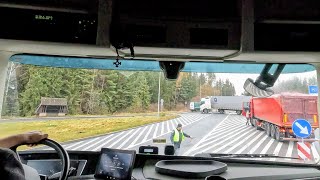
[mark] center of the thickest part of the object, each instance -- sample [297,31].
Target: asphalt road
[213,133]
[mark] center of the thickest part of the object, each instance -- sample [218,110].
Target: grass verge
[72,129]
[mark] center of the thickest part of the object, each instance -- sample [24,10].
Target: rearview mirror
[255,90]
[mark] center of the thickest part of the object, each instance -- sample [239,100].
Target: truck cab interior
[268,37]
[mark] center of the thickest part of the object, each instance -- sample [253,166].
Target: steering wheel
[61,152]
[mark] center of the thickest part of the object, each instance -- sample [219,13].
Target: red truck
[276,114]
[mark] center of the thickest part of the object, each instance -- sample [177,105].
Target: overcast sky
[239,79]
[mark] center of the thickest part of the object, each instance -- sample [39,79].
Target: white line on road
[175,123]
[137,138]
[155,131]
[85,143]
[96,143]
[119,139]
[178,121]
[190,119]
[221,135]
[69,146]
[186,120]
[109,140]
[168,128]
[257,145]
[248,144]
[124,142]
[290,148]
[278,148]
[162,128]
[146,136]
[184,123]
[228,141]
[266,148]
[315,153]
[172,125]
[227,128]
[241,142]
[205,137]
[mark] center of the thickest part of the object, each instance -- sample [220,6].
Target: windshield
[205,111]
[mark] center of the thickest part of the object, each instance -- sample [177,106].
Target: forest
[92,91]
[98,92]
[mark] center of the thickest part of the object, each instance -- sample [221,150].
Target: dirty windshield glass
[199,113]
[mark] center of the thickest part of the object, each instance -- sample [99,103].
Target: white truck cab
[205,105]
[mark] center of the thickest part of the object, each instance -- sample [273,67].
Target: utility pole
[159,88]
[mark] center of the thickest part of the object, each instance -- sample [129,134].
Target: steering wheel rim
[61,152]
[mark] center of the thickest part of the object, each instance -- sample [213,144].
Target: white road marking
[180,122]
[183,122]
[290,148]
[168,126]
[257,145]
[278,148]
[146,136]
[205,137]
[96,143]
[266,148]
[119,139]
[175,122]
[137,138]
[225,136]
[241,142]
[162,128]
[124,142]
[228,141]
[85,143]
[69,146]
[172,125]
[106,142]
[155,131]
[191,118]
[315,153]
[248,144]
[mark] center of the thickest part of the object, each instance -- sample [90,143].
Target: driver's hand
[33,137]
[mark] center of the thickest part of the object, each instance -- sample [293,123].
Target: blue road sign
[313,89]
[301,128]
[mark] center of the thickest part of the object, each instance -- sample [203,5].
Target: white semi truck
[222,103]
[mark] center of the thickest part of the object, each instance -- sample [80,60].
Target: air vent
[211,37]
[287,37]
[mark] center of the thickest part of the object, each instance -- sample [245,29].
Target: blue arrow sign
[301,128]
[313,89]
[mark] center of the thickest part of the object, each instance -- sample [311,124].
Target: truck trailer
[276,114]
[223,103]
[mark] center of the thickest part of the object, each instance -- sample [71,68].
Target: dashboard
[85,164]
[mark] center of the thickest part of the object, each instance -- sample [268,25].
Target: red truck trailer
[276,114]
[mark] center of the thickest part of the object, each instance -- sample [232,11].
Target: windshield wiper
[242,155]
